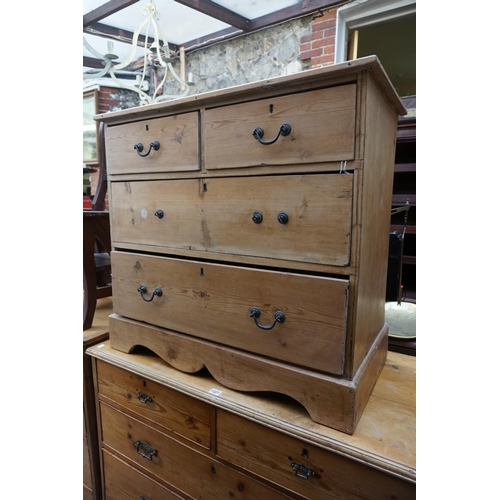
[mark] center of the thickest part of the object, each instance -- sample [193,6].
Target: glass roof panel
[179,23]
[252,9]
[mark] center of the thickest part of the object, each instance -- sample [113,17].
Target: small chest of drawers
[250,231]
[167,434]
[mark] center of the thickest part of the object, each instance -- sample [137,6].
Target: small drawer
[170,409]
[176,139]
[122,482]
[187,470]
[320,123]
[291,317]
[300,467]
[302,218]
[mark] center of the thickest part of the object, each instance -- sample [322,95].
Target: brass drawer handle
[149,451]
[258,133]
[139,148]
[303,472]
[144,398]
[279,317]
[143,289]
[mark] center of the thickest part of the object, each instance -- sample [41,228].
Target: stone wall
[279,50]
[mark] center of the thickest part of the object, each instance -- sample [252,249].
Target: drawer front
[305,218]
[178,151]
[322,129]
[170,409]
[122,482]
[191,472]
[215,302]
[301,467]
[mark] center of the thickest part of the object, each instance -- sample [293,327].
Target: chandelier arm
[135,38]
[144,96]
[102,72]
[160,85]
[176,76]
[168,97]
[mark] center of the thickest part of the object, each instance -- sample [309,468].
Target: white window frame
[363,13]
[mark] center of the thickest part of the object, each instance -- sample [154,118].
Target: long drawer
[290,317]
[183,468]
[171,410]
[301,467]
[321,128]
[122,482]
[304,218]
[176,138]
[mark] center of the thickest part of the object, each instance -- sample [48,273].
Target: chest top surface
[305,80]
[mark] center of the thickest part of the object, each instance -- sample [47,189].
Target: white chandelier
[159,56]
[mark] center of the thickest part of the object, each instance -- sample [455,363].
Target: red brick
[323,25]
[305,39]
[322,61]
[329,50]
[329,32]
[305,46]
[324,42]
[309,54]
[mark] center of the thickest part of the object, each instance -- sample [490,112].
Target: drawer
[300,467]
[178,139]
[322,129]
[215,302]
[191,472]
[169,409]
[122,482]
[304,218]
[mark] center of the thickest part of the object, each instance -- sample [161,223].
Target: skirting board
[330,401]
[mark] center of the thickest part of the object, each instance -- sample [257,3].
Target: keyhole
[201,272]
[271,108]
[204,187]
[305,453]
[147,128]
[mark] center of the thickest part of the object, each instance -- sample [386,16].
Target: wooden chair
[96,244]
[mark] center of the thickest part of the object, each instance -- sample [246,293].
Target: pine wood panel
[215,215]
[329,400]
[174,412]
[385,437]
[179,145]
[373,217]
[213,301]
[271,454]
[207,478]
[322,124]
[122,482]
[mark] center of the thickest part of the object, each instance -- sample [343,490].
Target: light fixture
[159,56]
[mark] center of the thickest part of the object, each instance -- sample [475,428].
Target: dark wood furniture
[404,188]
[166,434]
[96,244]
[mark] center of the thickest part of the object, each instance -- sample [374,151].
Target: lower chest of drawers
[158,443]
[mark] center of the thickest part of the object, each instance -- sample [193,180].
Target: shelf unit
[405,170]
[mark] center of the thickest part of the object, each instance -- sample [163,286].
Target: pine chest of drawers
[166,434]
[250,231]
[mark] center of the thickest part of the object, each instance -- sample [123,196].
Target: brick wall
[318,45]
